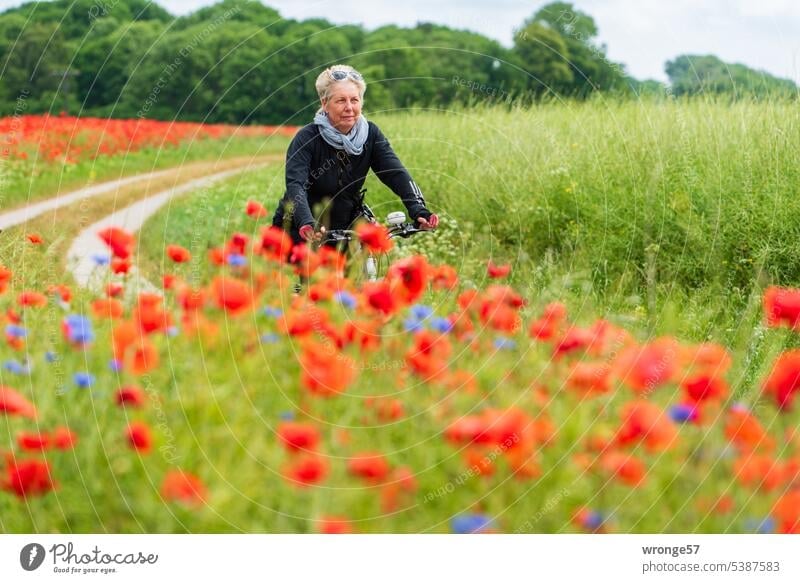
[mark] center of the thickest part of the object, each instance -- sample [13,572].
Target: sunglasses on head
[341,75]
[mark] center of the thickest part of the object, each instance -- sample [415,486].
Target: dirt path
[65,218]
[87,245]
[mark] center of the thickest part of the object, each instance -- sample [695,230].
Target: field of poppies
[41,155]
[459,393]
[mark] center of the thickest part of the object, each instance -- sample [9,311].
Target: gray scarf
[352,142]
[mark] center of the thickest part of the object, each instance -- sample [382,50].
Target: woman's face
[343,106]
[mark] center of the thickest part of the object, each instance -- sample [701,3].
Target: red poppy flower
[372,466]
[375,237]
[26,478]
[625,467]
[298,436]
[703,386]
[232,295]
[5,276]
[306,470]
[303,322]
[63,438]
[784,379]
[408,278]
[643,368]
[114,289]
[547,326]
[34,238]
[32,299]
[745,431]
[275,243]
[123,336]
[63,292]
[646,422]
[255,209]
[139,437]
[782,307]
[33,441]
[179,254]
[150,315]
[334,525]
[120,266]
[378,295]
[707,357]
[144,357]
[107,308]
[216,256]
[429,355]
[787,511]
[118,240]
[498,271]
[759,471]
[325,373]
[444,277]
[12,403]
[590,378]
[180,486]
[191,299]
[130,396]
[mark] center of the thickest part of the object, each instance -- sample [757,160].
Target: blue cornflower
[763,526]
[592,520]
[346,299]
[100,259]
[115,365]
[79,329]
[16,367]
[504,343]
[681,413]
[15,331]
[421,311]
[83,380]
[412,325]
[236,260]
[470,523]
[269,338]
[440,324]
[286,415]
[272,312]
[50,356]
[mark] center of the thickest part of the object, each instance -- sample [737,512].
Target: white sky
[642,34]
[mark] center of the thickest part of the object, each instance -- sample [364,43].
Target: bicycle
[398,226]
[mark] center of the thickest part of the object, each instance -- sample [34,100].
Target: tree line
[239,61]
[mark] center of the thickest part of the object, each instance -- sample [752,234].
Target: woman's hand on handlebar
[308,234]
[428,224]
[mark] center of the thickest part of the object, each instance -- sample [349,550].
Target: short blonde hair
[325,82]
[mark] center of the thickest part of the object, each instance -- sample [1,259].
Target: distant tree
[693,75]
[590,69]
[545,56]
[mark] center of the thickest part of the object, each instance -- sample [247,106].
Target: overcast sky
[642,34]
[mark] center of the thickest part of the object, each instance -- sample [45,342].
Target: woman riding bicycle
[328,160]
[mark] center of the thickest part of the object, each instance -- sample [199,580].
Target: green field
[663,218]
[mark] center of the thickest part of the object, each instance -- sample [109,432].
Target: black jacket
[323,184]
